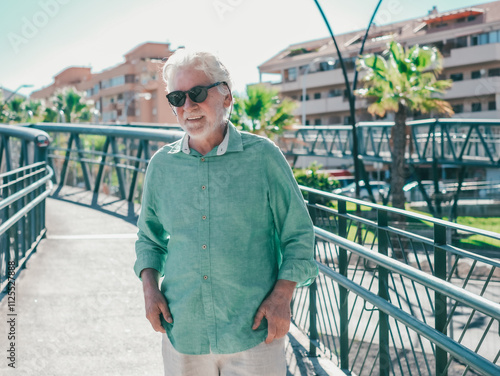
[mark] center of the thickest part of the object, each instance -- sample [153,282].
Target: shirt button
[203,159]
[204,217]
[205,277]
[203,187]
[204,246]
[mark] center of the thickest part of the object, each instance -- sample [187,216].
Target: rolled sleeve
[293,225]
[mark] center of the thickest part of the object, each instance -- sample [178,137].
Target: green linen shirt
[221,229]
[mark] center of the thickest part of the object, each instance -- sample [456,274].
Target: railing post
[343,293]
[383,292]
[440,306]
[41,145]
[313,310]
[435,172]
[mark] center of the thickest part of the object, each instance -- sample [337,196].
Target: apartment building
[132,91]
[468,38]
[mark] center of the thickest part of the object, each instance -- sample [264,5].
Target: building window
[475,75]
[457,76]
[115,81]
[307,97]
[129,78]
[461,42]
[317,95]
[492,106]
[471,18]
[307,122]
[334,120]
[479,39]
[347,120]
[291,74]
[350,63]
[317,121]
[476,107]
[325,66]
[494,72]
[335,93]
[493,36]
[458,108]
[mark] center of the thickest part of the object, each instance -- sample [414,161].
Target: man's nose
[189,103]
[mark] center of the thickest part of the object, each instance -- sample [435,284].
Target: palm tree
[71,103]
[32,110]
[403,80]
[262,111]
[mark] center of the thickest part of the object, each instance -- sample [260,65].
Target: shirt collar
[231,142]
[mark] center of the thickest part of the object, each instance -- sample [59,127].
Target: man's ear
[228,99]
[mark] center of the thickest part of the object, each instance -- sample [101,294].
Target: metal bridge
[398,293]
[459,143]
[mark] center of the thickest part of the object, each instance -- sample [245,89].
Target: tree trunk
[398,169]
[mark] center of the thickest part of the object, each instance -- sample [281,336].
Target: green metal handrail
[427,280]
[123,167]
[22,216]
[28,138]
[462,353]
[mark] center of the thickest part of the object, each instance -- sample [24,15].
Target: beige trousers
[261,360]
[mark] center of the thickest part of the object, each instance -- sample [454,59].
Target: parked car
[380,190]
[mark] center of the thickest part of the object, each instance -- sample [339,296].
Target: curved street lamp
[330,61]
[350,95]
[15,91]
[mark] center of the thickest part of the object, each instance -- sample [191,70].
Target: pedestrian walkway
[79,305]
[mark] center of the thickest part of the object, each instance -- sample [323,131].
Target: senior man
[224,223]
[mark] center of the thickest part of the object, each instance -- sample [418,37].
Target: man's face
[199,120]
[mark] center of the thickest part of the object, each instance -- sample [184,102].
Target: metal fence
[22,216]
[400,293]
[24,185]
[104,158]
[21,146]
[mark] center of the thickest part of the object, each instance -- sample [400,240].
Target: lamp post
[146,96]
[15,91]
[330,61]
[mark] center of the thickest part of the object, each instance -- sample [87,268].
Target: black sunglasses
[197,94]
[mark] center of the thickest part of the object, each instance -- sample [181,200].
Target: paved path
[80,307]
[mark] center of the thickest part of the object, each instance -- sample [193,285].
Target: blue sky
[40,38]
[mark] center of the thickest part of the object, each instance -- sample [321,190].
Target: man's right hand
[155,301]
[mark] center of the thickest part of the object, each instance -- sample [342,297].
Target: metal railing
[22,216]
[104,158]
[21,146]
[400,293]
[432,143]
[23,180]
[444,141]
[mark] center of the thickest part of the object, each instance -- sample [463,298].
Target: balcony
[474,88]
[326,105]
[316,79]
[473,55]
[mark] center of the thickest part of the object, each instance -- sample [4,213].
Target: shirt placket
[204,247]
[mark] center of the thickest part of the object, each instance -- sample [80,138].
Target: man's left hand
[276,309]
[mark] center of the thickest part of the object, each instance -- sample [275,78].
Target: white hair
[207,62]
